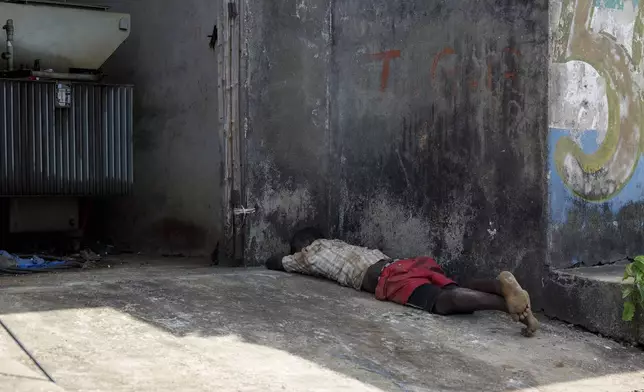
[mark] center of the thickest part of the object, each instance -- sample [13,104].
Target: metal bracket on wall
[244,211]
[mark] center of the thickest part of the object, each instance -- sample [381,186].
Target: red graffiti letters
[473,80]
[386,58]
[445,52]
[440,63]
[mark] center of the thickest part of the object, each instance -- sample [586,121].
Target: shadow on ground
[255,325]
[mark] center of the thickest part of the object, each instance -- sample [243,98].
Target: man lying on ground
[418,282]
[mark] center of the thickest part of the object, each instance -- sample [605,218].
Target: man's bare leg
[494,286]
[503,294]
[490,286]
[460,300]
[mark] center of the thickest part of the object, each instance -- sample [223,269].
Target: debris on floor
[89,258]
[14,264]
[24,264]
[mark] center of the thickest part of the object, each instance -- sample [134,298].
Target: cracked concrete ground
[190,328]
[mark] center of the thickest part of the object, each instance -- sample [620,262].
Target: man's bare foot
[532,325]
[518,302]
[527,318]
[516,298]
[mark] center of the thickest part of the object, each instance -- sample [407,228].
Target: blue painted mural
[597,186]
[562,198]
[613,4]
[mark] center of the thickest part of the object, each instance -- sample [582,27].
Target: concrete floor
[171,328]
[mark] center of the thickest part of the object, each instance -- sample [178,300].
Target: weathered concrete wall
[596,118]
[415,127]
[445,156]
[287,124]
[176,205]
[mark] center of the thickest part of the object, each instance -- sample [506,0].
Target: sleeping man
[418,282]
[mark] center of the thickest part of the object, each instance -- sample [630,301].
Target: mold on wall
[595,142]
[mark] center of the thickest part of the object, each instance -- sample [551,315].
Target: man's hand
[275,263]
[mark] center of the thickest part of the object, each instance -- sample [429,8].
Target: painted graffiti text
[441,63]
[473,82]
[386,58]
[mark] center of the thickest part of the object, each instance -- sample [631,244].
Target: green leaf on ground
[628,271]
[633,295]
[637,269]
[627,291]
[629,311]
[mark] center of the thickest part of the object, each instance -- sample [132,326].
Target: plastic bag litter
[10,262]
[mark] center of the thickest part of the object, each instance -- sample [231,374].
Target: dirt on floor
[186,327]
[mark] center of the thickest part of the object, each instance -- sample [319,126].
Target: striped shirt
[335,260]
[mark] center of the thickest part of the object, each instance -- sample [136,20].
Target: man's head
[304,238]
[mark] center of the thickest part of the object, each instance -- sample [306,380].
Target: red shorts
[399,280]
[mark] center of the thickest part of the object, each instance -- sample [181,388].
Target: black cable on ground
[15,339]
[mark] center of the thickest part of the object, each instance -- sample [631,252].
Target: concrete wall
[595,141]
[418,127]
[287,120]
[176,205]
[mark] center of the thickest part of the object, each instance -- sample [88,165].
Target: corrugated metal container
[83,150]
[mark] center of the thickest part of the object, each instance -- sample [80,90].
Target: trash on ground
[14,264]
[89,258]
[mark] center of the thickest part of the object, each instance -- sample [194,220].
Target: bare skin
[503,294]
[518,302]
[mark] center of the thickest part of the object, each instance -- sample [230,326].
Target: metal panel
[83,150]
[50,34]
